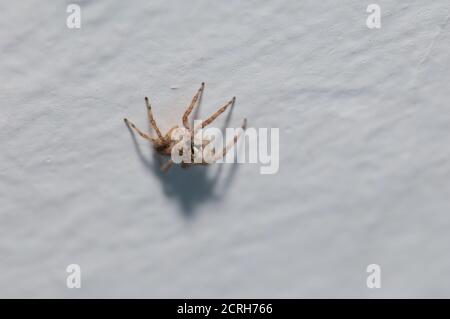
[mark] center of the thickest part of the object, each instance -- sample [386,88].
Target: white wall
[364,156]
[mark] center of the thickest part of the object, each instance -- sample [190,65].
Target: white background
[364,149]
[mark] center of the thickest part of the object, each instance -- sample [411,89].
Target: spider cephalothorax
[164,144]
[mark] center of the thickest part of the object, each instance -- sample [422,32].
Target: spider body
[164,144]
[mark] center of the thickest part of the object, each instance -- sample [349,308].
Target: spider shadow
[190,186]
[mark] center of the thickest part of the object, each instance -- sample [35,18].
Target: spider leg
[216,114]
[166,167]
[168,134]
[191,106]
[230,144]
[130,124]
[151,119]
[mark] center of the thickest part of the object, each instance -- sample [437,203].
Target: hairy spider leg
[216,114]
[127,122]
[191,106]
[231,143]
[167,137]
[166,167]
[152,120]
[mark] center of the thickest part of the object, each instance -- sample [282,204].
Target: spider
[163,144]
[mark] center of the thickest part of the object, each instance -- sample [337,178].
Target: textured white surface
[364,131]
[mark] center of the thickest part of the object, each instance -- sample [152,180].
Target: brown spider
[163,144]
